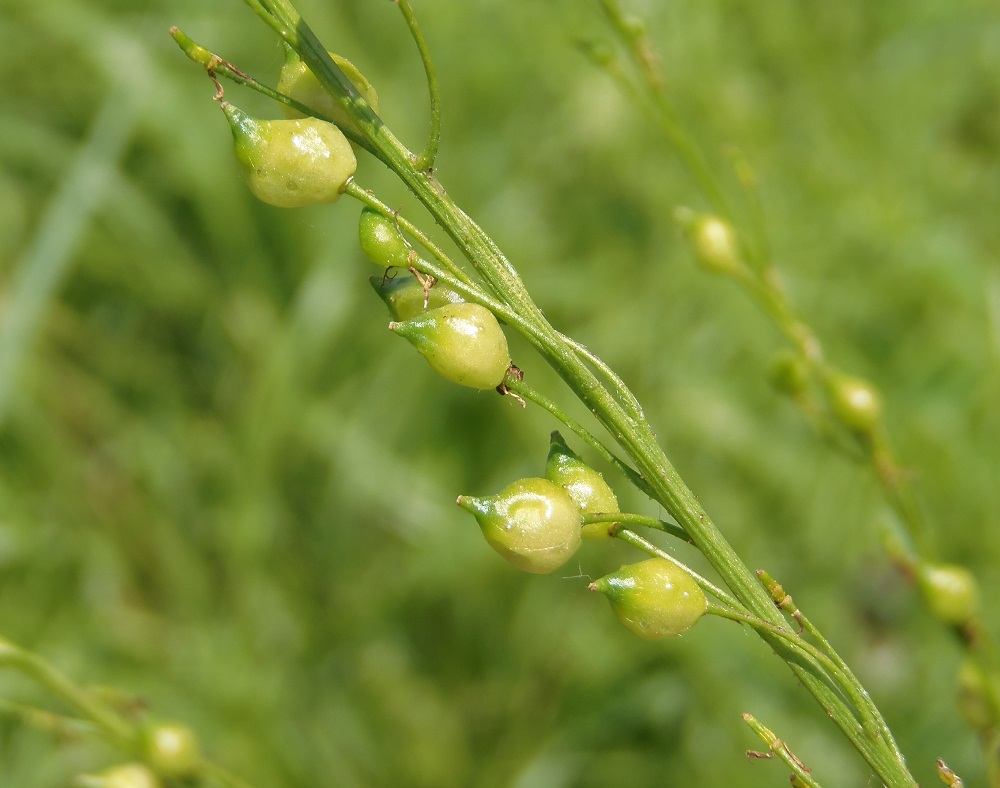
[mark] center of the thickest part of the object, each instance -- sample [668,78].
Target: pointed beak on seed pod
[533,523]
[298,82]
[463,342]
[950,591]
[291,163]
[653,598]
[404,296]
[585,485]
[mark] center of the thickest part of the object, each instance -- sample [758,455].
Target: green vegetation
[227,491]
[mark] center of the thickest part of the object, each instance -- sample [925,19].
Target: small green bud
[404,296]
[463,342]
[533,523]
[585,485]
[950,592]
[653,598]
[381,241]
[789,373]
[974,692]
[126,775]
[171,749]
[291,163]
[713,241]
[298,82]
[854,402]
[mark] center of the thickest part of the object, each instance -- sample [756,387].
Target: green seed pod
[789,373]
[404,296]
[291,163]
[974,691]
[298,82]
[381,241]
[950,592]
[463,342]
[713,241]
[171,749]
[126,775]
[532,523]
[653,598]
[854,402]
[585,485]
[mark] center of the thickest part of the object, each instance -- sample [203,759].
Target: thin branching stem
[425,161]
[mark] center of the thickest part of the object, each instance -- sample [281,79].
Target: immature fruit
[950,592]
[298,82]
[126,775]
[714,244]
[381,241]
[789,373]
[585,485]
[533,523]
[404,296]
[854,402]
[463,342]
[291,163]
[171,749]
[653,598]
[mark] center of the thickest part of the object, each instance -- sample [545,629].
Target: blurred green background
[226,489]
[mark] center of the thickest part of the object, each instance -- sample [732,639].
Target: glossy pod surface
[532,523]
[291,163]
[463,342]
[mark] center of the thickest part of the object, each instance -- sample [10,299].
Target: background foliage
[227,489]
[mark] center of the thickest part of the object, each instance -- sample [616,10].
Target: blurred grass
[225,488]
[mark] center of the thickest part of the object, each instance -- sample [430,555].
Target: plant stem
[633,435]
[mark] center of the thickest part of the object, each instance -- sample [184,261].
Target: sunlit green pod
[951,592]
[532,523]
[854,402]
[381,241]
[291,163]
[125,775]
[298,82]
[653,598]
[585,485]
[404,296]
[463,342]
[171,749]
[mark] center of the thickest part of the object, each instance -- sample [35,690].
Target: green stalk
[633,435]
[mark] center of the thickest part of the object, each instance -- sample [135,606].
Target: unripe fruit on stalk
[975,688]
[291,163]
[585,485]
[381,241]
[653,598]
[788,373]
[171,749]
[126,775]
[950,592]
[463,342]
[854,402]
[298,82]
[533,523]
[404,296]
[713,241]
